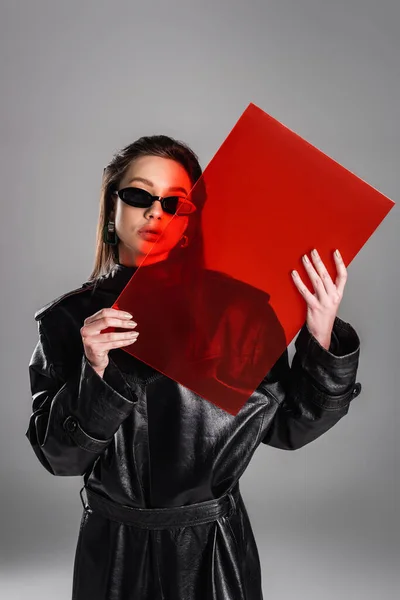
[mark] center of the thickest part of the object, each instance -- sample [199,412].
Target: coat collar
[166,272]
[116,278]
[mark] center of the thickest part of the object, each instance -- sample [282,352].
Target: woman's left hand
[322,306]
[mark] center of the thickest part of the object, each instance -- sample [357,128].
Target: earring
[109,234]
[185,241]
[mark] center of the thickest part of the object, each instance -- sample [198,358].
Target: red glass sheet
[218,315]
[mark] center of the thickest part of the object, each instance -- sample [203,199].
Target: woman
[163,515]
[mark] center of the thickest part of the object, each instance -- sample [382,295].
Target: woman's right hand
[96,344]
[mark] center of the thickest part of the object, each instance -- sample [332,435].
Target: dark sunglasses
[173,205]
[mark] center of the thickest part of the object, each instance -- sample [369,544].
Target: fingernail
[294,273]
[306,259]
[337,253]
[127,315]
[314,252]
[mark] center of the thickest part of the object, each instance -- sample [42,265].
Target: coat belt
[162,518]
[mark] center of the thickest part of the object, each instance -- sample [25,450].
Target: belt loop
[84,501]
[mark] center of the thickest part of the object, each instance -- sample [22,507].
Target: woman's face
[160,177]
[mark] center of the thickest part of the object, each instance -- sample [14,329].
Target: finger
[126,342]
[96,316]
[105,347]
[108,312]
[322,271]
[304,291]
[342,273]
[315,279]
[95,327]
[107,338]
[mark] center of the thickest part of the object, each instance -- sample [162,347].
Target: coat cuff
[333,371]
[102,403]
[115,379]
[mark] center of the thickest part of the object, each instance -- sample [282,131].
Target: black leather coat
[163,516]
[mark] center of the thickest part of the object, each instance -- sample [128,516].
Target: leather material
[143,441]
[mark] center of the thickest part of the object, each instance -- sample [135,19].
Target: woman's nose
[155,209]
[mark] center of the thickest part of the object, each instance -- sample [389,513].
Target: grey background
[81,79]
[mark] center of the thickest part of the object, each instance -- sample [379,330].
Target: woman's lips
[149,235]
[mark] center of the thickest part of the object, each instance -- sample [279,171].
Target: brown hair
[106,256]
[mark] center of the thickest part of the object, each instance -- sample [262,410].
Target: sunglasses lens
[171,204]
[136,197]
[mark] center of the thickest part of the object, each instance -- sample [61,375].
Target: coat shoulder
[41,312]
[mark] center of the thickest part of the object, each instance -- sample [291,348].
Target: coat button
[70,424]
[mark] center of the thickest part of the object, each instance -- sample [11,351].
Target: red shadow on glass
[217,314]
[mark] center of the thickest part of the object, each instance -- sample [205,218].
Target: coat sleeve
[74,417]
[312,395]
